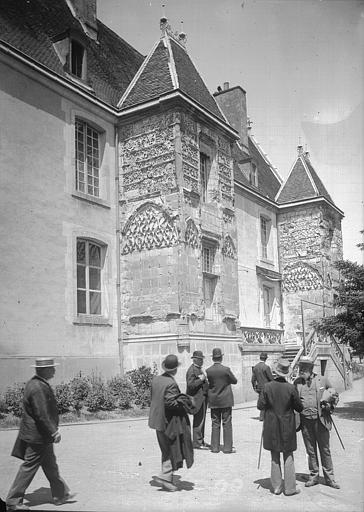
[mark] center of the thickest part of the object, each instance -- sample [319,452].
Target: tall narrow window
[207,259]
[204,175]
[267,305]
[87,159]
[77,56]
[264,236]
[89,268]
[253,178]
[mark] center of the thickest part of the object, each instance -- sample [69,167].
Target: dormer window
[77,59]
[253,175]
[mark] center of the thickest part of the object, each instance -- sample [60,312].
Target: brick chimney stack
[232,102]
[85,11]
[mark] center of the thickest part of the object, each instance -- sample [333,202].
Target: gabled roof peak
[178,36]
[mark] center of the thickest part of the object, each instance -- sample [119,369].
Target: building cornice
[303,202]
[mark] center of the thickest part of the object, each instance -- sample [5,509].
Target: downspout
[117,213]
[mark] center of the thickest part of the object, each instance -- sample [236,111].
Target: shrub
[13,399]
[63,396]
[142,380]
[100,397]
[357,369]
[123,391]
[80,387]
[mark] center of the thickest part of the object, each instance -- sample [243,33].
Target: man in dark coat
[34,444]
[197,386]
[318,399]
[261,374]
[279,399]
[221,401]
[168,416]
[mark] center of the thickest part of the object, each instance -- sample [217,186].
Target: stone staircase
[290,351]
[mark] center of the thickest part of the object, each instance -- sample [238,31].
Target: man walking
[318,400]
[221,401]
[168,416]
[261,374]
[37,433]
[279,399]
[197,387]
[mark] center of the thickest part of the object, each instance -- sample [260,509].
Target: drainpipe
[117,213]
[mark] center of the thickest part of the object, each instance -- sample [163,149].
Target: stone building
[140,217]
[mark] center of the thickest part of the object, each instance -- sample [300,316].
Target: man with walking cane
[318,400]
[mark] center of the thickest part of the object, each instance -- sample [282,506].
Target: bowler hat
[170,363]
[263,355]
[216,352]
[282,367]
[44,362]
[306,361]
[197,353]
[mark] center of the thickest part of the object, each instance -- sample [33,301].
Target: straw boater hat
[282,367]
[44,362]
[170,363]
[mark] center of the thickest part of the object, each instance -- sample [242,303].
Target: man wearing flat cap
[318,400]
[168,415]
[261,374]
[37,433]
[197,386]
[221,401]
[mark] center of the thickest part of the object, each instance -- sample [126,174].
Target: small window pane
[81,276]
[81,301]
[95,303]
[95,279]
[81,252]
[95,255]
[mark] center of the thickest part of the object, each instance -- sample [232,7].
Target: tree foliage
[348,323]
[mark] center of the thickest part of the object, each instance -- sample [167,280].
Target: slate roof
[168,68]
[302,183]
[30,26]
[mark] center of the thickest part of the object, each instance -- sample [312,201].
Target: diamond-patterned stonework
[149,228]
[228,249]
[301,276]
[191,235]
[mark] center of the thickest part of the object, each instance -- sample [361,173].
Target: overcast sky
[301,64]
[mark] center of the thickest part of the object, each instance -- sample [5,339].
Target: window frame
[75,43]
[87,288]
[265,240]
[87,127]
[205,170]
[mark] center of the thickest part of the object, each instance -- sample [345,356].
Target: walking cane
[338,435]
[260,449]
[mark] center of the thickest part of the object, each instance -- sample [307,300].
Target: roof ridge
[265,157]
[171,63]
[303,160]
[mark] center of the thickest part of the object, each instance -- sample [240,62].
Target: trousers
[166,472]
[289,482]
[316,435]
[198,426]
[223,415]
[37,455]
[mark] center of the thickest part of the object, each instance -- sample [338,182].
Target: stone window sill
[92,320]
[267,261]
[91,199]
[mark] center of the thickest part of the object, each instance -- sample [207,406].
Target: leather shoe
[168,486]
[19,506]
[278,491]
[233,450]
[311,482]
[200,447]
[333,484]
[297,491]
[60,501]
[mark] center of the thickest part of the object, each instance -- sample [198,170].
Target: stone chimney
[232,102]
[85,12]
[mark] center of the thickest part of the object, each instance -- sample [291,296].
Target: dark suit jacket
[261,375]
[40,415]
[220,378]
[279,399]
[165,402]
[195,386]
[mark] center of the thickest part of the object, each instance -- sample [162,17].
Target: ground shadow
[351,411]
[264,483]
[182,485]
[303,477]
[41,496]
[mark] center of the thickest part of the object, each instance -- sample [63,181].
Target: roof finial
[299,147]
[249,124]
[163,24]
[182,38]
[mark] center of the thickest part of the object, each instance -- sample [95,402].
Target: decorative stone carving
[261,336]
[191,234]
[300,276]
[149,228]
[228,248]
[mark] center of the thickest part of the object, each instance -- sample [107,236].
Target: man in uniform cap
[38,431]
[316,421]
[221,401]
[261,374]
[197,386]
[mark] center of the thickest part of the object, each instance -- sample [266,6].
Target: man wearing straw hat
[279,399]
[197,386]
[37,433]
[168,416]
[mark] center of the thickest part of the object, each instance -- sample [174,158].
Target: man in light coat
[197,387]
[221,401]
[34,444]
[279,399]
[316,421]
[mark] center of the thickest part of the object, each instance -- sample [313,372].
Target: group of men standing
[170,408]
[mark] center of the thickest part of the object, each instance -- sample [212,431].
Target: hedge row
[90,392]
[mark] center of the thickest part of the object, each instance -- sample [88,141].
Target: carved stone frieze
[228,248]
[150,227]
[223,145]
[300,276]
[190,152]
[192,235]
